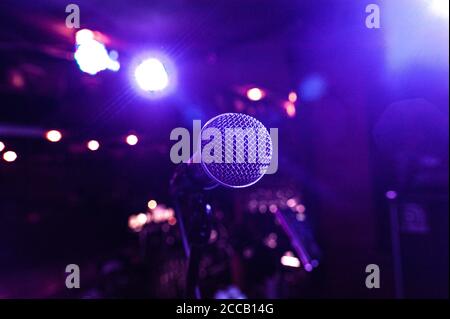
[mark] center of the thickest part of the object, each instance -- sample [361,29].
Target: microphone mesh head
[236,149]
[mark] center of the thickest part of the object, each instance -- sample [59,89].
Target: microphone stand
[196,236]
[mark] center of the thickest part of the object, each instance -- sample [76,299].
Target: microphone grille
[245,149]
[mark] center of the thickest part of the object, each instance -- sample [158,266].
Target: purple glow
[391,194]
[308,267]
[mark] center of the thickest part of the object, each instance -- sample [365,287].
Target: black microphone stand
[190,197]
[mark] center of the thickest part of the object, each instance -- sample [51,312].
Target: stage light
[2,146]
[10,156]
[308,267]
[84,36]
[132,139]
[93,145]
[290,260]
[53,136]
[440,8]
[152,204]
[255,94]
[151,75]
[91,55]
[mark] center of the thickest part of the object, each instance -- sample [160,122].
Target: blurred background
[85,120]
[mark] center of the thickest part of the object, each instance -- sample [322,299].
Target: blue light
[312,88]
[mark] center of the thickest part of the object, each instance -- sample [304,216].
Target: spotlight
[93,145]
[91,55]
[2,146]
[53,136]
[10,156]
[440,8]
[84,36]
[132,139]
[255,94]
[151,75]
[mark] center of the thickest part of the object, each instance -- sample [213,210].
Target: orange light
[152,204]
[290,108]
[134,224]
[53,136]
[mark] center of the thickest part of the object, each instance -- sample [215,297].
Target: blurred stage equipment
[412,135]
[289,213]
[191,179]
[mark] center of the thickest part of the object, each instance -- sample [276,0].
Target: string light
[132,139]
[93,145]
[290,108]
[10,156]
[53,136]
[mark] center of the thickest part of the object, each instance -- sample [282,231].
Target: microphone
[235,151]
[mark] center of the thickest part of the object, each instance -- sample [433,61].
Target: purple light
[391,194]
[308,267]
